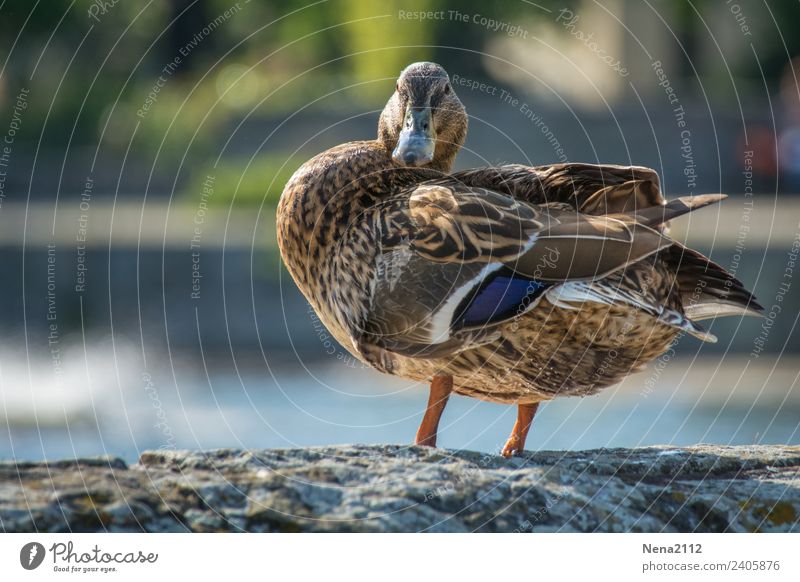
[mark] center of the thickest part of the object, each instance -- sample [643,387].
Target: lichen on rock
[383,488]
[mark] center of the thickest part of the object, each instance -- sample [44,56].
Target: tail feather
[707,289]
[683,322]
[657,215]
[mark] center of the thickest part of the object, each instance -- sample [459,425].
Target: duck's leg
[516,442]
[441,386]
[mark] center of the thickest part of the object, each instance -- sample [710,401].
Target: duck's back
[380,275]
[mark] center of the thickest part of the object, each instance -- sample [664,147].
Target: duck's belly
[550,352]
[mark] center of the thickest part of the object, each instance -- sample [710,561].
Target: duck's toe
[511,448]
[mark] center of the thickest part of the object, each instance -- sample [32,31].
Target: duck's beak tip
[416,143]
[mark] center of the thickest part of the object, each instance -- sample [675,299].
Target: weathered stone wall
[394,488]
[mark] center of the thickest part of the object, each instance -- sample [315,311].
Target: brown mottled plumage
[513,284]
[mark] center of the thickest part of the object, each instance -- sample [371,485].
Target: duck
[512,284]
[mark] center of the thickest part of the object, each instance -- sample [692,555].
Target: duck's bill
[416,143]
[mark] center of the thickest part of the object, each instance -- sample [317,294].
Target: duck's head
[424,123]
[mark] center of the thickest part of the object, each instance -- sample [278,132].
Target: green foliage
[382,44]
[90,70]
[244,183]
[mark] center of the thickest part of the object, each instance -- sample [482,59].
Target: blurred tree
[383,44]
[91,65]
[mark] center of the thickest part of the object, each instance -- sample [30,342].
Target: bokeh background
[144,146]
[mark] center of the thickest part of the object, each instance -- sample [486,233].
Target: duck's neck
[324,195]
[444,157]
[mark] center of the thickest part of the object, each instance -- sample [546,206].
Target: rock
[395,488]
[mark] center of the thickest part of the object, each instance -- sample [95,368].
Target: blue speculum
[501,297]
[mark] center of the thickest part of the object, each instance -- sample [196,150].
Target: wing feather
[447,242]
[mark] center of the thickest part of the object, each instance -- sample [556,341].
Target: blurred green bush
[244,183]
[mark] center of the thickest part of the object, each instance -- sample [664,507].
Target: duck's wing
[593,189]
[456,261]
[706,289]
[448,222]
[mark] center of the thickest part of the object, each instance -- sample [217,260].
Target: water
[99,405]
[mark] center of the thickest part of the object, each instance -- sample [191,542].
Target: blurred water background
[144,147]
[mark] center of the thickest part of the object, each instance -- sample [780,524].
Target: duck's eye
[447,89]
[397,87]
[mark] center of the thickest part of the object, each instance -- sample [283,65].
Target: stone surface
[396,488]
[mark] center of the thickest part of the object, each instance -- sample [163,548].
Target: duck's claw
[516,442]
[510,448]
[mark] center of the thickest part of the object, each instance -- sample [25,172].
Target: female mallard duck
[513,284]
